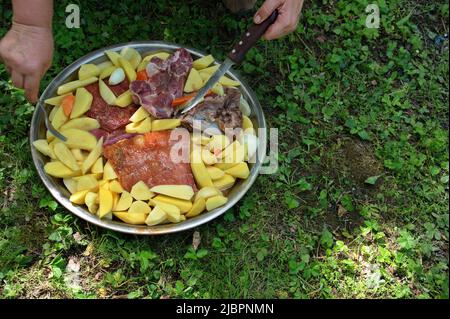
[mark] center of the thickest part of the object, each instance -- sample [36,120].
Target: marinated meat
[147,158]
[113,137]
[166,79]
[109,117]
[223,110]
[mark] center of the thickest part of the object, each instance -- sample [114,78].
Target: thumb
[266,10]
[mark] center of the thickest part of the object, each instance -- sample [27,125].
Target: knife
[236,56]
[48,124]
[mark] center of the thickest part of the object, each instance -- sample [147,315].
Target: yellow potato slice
[139,115]
[88,182]
[207,192]
[140,191]
[42,147]
[199,171]
[208,157]
[161,55]
[115,186]
[203,62]
[91,200]
[198,207]
[178,191]
[218,89]
[72,86]
[70,184]
[139,207]
[108,172]
[133,219]
[141,127]
[239,171]
[88,70]
[215,173]
[156,216]
[183,205]
[77,138]
[216,201]
[128,68]
[97,168]
[78,154]
[211,70]
[104,65]
[194,81]
[142,66]
[225,166]
[225,182]
[82,123]
[205,76]
[105,202]
[78,197]
[165,206]
[217,143]
[246,122]
[124,202]
[226,81]
[93,156]
[233,153]
[133,56]
[124,99]
[82,104]
[116,197]
[113,56]
[173,217]
[55,101]
[66,157]
[166,124]
[106,93]
[200,139]
[107,72]
[59,119]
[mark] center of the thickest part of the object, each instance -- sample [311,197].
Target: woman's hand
[27,53]
[288,16]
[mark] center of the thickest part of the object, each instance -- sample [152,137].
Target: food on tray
[119,117]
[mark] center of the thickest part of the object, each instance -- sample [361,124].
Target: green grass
[358,207]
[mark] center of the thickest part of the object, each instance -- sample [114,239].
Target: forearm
[38,13]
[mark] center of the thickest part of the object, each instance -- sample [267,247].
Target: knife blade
[236,56]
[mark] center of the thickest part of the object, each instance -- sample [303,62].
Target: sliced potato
[124,99]
[211,70]
[128,68]
[216,201]
[225,166]
[138,207]
[78,154]
[83,101]
[198,207]
[226,81]
[113,56]
[144,126]
[97,168]
[66,157]
[78,197]
[72,86]
[205,76]
[246,123]
[166,124]
[225,182]
[142,66]
[55,109]
[156,216]
[50,137]
[215,173]
[239,171]
[91,201]
[107,72]
[82,123]
[173,217]
[77,138]
[207,157]
[200,139]
[233,153]
[133,56]
[218,142]
[106,93]
[70,184]
[183,205]
[161,55]
[104,65]
[88,70]
[55,101]
[133,219]
[178,191]
[207,192]
[140,191]
[165,206]
[124,202]
[42,146]
[218,89]
[93,156]
[199,171]
[115,186]
[105,202]
[139,115]
[59,118]
[203,62]
[194,82]
[108,172]
[88,182]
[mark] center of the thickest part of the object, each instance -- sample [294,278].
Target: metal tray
[61,194]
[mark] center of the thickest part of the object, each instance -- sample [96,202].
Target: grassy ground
[358,208]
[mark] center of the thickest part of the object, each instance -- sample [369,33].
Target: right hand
[27,52]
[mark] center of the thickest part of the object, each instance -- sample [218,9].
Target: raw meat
[147,158]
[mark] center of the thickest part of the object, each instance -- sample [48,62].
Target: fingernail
[257,19]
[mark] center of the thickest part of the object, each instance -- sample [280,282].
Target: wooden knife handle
[249,39]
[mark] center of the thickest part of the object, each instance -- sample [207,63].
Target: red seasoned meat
[147,158]
[113,137]
[166,79]
[110,117]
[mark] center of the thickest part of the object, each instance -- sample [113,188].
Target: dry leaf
[341,211]
[196,240]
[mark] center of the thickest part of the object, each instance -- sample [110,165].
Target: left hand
[288,16]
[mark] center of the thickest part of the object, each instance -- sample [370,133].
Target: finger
[17,79]
[31,86]
[266,10]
